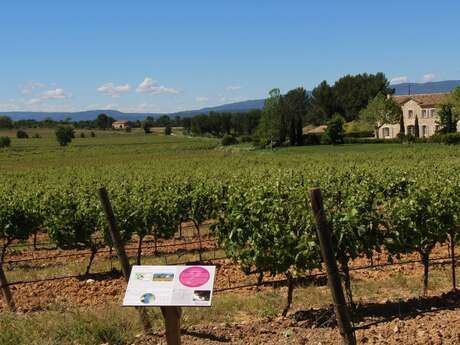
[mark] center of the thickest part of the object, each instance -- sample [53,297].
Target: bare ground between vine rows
[433,328]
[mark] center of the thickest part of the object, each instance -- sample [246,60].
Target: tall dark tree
[416,127]
[295,105]
[353,93]
[323,104]
[6,122]
[402,128]
[447,122]
[103,121]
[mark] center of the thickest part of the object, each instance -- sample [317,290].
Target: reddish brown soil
[433,328]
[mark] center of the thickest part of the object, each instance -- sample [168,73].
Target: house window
[411,130]
[386,132]
[424,113]
[424,131]
[410,114]
[432,112]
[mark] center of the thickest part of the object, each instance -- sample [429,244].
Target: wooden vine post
[172,315]
[333,278]
[6,292]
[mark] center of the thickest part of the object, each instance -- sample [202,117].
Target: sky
[166,56]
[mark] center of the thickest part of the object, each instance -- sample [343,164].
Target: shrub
[168,130]
[245,139]
[82,135]
[360,134]
[449,138]
[334,132]
[311,139]
[229,140]
[93,134]
[128,129]
[5,142]
[410,138]
[64,135]
[36,136]
[22,134]
[371,141]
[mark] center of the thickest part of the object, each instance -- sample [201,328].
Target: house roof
[318,129]
[121,121]
[423,99]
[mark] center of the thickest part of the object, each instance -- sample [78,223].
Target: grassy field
[151,155]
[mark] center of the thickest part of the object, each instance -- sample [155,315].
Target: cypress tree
[402,129]
[416,127]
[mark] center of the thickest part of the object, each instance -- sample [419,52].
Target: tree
[334,132]
[64,135]
[323,104]
[103,121]
[416,127]
[6,122]
[148,123]
[168,130]
[272,127]
[295,104]
[5,142]
[381,110]
[402,128]
[353,93]
[22,134]
[447,122]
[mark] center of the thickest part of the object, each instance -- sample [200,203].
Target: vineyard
[182,200]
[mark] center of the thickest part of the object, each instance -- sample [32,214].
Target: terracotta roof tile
[424,100]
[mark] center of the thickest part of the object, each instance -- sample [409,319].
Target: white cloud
[202,99]
[114,90]
[33,101]
[233,88]
[29,87]
[148,85]
[428,77]
[399,80]
[54,94]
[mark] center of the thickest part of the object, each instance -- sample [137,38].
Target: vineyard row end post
[6,292]
[121,253]
[333,277]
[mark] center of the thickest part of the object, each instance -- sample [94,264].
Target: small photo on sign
[201,295]
[141,276]
[163,277]
[147,298]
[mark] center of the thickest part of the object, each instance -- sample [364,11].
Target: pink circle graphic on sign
[194,276]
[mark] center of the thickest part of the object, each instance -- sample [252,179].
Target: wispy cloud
[429,77]
[55,94]
[114,90]
[233,88]
[202,99]
[399,80]
[29,87]
[148,85]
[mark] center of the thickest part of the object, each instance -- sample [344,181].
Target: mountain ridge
[243,106]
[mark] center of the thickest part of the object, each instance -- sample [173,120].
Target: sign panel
[161,286]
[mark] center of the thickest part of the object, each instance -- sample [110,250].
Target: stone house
[422,106]
[121,124]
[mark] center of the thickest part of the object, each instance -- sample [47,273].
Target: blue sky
[152,56]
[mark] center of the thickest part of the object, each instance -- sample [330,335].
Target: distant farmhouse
[121,124]
[423,106]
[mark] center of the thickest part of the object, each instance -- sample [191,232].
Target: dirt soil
[433,328]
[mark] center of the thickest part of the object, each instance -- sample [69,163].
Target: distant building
[314,130]
[422,106]
[121,124]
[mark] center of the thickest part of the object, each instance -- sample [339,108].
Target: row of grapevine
[262,218]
